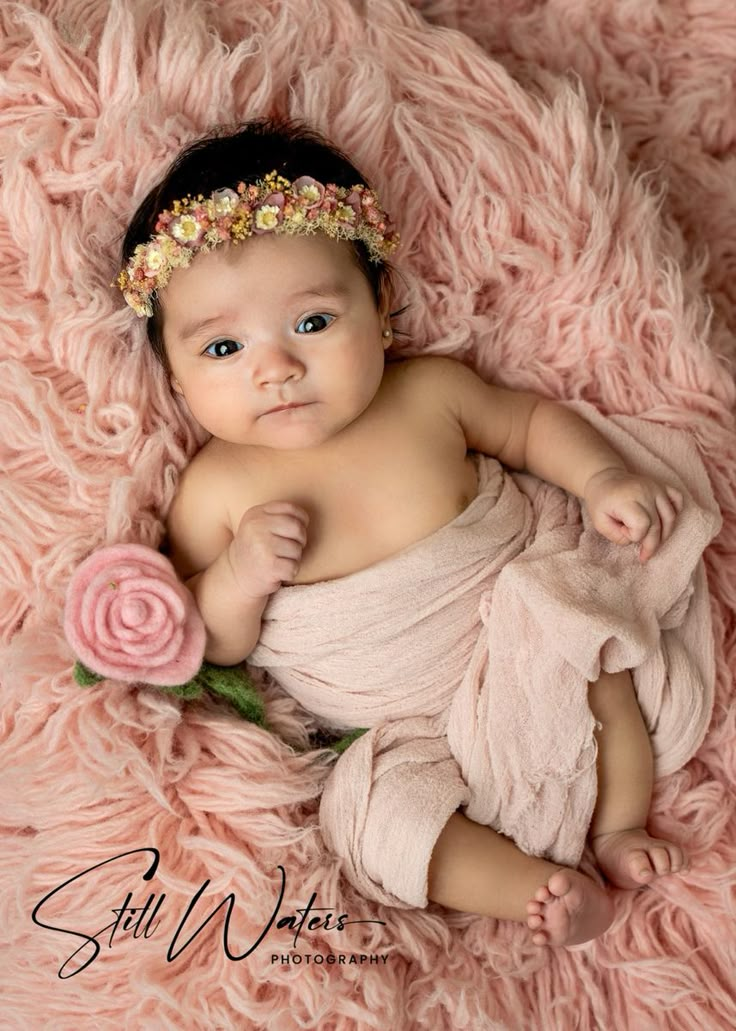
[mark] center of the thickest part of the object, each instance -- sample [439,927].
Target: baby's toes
[660,858]
[640,867]
[534,921]
[678,860]
[534,907]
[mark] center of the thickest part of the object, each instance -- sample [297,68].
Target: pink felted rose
[129,617]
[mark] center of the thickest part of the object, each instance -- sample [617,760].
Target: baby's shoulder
[432,383]
[494,420]
[197,524]
[203,473]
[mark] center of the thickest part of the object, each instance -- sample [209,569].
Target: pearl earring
[387,332]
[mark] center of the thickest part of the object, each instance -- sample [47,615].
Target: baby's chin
[290,430]
[298,429]
[280,436]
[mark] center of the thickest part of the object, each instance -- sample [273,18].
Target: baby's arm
[233,621]
[525,431]
[625,507]
[199,539]
[231,576]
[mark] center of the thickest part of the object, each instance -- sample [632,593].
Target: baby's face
[271,321]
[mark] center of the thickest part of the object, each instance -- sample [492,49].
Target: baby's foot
[631,858]
[570,909]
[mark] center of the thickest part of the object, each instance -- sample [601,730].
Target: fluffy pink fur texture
[573,234]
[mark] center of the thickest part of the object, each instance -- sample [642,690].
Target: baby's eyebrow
[322,290]
[189,329]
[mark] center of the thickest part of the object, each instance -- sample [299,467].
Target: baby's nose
[276,364]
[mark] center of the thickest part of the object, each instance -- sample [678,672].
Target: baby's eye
[223,348]
[315,323]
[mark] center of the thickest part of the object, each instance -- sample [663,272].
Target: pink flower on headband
[269,214]
[309,191]
[349,211]
[225,201]
[129,617]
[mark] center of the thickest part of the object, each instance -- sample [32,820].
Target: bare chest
[369,500]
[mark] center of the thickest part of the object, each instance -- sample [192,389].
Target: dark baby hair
[247,151]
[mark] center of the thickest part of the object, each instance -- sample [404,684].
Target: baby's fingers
[651,540]
[613,528]
[676,498]
[667,513]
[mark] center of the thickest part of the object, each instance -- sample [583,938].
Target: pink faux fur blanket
[584,253]
[469,655]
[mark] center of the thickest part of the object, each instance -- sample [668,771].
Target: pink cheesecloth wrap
[468,655]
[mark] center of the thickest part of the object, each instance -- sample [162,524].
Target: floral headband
[271,205]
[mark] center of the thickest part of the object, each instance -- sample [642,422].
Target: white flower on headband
[155,260]
[269,214]
[186,229]
[273,204]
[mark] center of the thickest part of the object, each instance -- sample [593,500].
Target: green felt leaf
[234,684]
[85,677]
[191,690]
[347,739]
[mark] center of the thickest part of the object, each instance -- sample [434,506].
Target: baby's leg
[624,851]
[476,870]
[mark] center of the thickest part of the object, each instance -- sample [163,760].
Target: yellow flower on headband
[271,205]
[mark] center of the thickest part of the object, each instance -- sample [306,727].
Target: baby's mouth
[287,407]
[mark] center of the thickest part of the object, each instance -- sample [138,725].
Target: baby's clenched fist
[266,550]
[627,508]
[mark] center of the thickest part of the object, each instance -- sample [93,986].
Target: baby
[327,456]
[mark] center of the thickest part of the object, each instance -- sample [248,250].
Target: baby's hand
[267,549]
[625,508]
